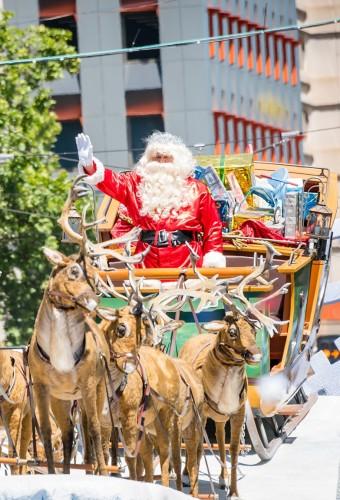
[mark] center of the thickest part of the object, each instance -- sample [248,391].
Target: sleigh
[276,398]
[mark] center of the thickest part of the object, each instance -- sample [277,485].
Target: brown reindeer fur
[61,320]
[220,360]
[17,414]
[172,382]
[57,444]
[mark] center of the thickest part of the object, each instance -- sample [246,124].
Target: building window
[141,28]
[285,75]
[140,127]
[294,75]
[239,132]
[65,23]
[251,41]
[233,43]
[65,144]
[214,27]
[144,103]
[271,54]
[277,56]
[222,22]
[259,59]
[243,44]
[268,57]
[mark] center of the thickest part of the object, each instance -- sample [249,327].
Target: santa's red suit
[198,222]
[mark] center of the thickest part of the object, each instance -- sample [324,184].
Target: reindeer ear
[56,258]
[107,313]
[214,326]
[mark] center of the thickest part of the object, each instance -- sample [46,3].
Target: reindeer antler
[76,191]
[87,247]
[251,308]
[206,284]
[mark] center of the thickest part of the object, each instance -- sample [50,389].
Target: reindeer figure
[15,414]
[65,358]
[220,361]
[165,389]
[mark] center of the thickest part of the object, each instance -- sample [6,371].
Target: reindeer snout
[256,358]
[253,355]
[91,304]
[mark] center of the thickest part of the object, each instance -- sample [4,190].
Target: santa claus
[164,200]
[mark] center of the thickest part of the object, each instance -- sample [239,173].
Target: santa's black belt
[165,238]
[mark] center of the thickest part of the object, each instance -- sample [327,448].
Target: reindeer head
[236,338]
[69,285]
[125,332]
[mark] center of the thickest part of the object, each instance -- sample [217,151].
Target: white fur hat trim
[97,176]
[214,259]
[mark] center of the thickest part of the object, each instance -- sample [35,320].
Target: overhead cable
[280,135]
[176,43]
[26,212]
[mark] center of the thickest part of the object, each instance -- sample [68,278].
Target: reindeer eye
[233,332]
[121,330]
[74,272]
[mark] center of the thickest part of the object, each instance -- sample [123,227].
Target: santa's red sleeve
[211,223]
[117,185]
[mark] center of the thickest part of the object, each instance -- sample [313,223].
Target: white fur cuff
[98,175]
[214,259]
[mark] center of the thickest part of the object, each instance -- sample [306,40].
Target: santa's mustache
[155,168]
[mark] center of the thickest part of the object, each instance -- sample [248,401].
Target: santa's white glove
[214,259]
[88,161]
[85,150]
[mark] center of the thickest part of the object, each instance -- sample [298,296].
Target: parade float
[277,235]
[291,209]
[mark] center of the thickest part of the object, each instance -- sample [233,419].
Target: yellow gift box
[241,165]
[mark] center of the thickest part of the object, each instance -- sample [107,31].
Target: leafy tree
[32,181]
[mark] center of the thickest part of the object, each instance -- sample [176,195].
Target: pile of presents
[271,205]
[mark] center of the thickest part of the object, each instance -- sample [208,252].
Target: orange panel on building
[148,102]
[138,6]
[56,8]
[68,107]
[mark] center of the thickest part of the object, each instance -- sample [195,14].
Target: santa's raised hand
[85,150]
[88,164]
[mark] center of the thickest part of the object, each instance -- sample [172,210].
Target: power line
[79,12]
[176,43]
[63,155]
[26,212]
[75,160]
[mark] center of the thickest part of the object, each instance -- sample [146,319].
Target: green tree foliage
[33,180]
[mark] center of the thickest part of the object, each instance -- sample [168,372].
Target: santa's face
[163,190]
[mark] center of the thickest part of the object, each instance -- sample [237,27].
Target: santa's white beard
[164,189]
